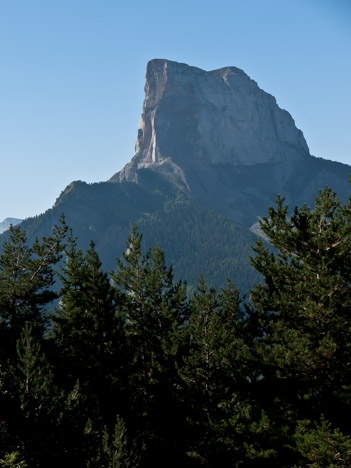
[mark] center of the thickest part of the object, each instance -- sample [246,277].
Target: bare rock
[224,142]
[219,117]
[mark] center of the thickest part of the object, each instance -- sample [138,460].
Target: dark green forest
[127,369]
[194,238]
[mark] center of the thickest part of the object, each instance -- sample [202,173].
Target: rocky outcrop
[219,117]
[225,142]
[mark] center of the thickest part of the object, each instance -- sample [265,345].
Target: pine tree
[321,445]
[26,278]
[33,376]
[201,364]
[115,450]
[217,374]
[153,309]
[88,337]
[303,306]
[37,398]
[87,329]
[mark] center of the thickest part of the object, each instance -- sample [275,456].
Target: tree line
[124,369]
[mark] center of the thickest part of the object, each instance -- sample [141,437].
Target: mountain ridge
[186,186]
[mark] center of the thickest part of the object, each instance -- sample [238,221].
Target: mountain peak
[160,65]
[217,117]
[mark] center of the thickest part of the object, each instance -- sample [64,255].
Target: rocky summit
[212,152]
[215,118]
[222,139]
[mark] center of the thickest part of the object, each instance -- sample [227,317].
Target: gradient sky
[72,78]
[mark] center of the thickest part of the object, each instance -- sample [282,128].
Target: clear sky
[72,78]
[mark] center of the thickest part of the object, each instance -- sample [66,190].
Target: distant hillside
[195,239]
[4,225]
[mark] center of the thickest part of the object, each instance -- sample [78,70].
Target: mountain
[4,225]
[195,239]
[226,142]
[212,152]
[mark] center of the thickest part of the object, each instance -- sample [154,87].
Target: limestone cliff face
[219,117]
[224,142]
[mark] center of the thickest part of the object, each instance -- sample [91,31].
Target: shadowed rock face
[225,142]
[219,117]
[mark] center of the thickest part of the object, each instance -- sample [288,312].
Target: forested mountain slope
[195,239]
[213,150]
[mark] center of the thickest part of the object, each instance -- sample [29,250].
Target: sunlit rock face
[214,118]
[224,142]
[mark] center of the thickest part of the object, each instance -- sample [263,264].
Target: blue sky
[72,78]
